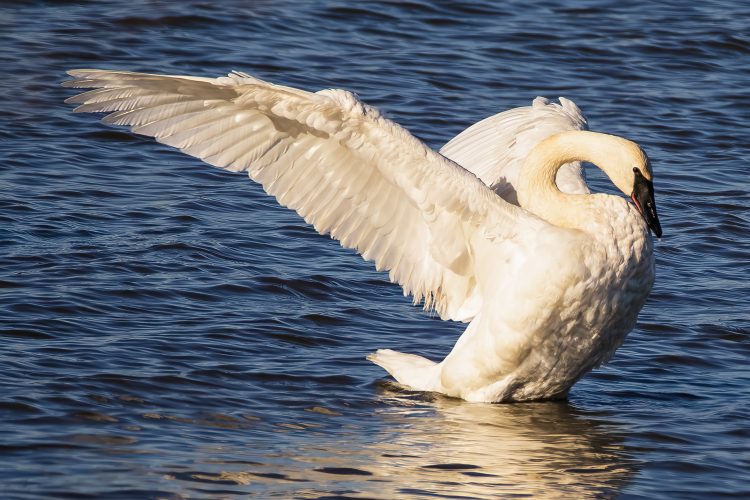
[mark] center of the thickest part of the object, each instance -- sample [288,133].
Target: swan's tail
[411,370]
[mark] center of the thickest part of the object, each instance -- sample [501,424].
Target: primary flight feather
[499,230]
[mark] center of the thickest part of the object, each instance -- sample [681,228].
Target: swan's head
[632,174]
[622,160]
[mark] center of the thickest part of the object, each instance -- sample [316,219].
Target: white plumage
[551,281]
[494,149]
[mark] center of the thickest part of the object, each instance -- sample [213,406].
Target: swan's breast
[576,296]
[594,316]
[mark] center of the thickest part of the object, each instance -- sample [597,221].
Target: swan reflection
[438,447]
[484,450]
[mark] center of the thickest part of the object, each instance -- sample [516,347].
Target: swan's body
[550,281]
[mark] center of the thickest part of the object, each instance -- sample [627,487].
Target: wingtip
[539,102]
[377,356]
[372,356]
[99,73]
[569,105]
[76,72]
[77,75]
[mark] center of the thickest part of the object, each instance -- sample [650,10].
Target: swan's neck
[537,190]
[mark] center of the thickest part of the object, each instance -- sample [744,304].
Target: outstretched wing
[343,167]
[494,149]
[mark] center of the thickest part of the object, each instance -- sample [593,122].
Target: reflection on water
[537,449]
[445,447]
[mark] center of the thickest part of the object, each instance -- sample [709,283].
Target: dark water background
[167,331]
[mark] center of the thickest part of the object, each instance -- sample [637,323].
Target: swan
[499,231]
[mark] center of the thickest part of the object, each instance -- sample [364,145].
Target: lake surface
[168,331]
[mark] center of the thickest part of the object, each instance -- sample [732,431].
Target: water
[169,332]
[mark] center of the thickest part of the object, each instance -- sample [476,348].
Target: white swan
[550,287]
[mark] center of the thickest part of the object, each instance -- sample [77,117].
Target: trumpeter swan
[499,231]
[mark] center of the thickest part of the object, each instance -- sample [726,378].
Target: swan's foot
[411,370]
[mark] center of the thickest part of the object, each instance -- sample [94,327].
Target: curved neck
[537,190]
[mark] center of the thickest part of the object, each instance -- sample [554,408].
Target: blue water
[168,331]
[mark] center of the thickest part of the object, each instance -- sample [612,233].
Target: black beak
[643,197]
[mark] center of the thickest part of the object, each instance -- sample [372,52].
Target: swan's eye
[635,169]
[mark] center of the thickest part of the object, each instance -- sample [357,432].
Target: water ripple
[169,332]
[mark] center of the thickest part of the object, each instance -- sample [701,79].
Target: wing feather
[494,149]
[336,161]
